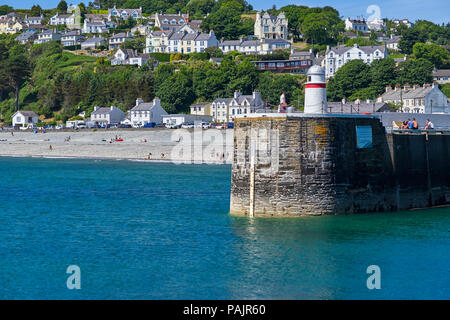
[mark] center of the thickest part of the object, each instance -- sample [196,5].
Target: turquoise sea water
[162,231]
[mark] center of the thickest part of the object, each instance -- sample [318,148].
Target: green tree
[176,93]
[409,38]
[62,7]
[15,70]
[36,10]
[415,71]
[5,10]
[437,55]
[382,73]
[351,77]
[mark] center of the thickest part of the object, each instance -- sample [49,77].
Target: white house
[33,20]
[271,27]
[263,46]
[93,43]
[179,119]
[111,115]
[336,57]
[129,56]
[225,110]
[406,22]
[147,112]
[417,99]
[124,14]
[441,76]
[24,118]
[94,27]
[357,24]
[170,21]
[392,43]
[376,24]
[117,39]
[47,36]
[59,19]
[71,38]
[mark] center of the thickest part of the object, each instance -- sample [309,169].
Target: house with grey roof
[129,56]
[170,21]
[72,38]
[336,57]
[24,118]
[356,25]
[111,115]
[124,14]
[271,27]
[226,109]
[60,19]
[147,112]
[392,43]
[47,36]
[94,27]
[416,99]
[258,46]
[441,76]
[117,39]
[26,37]
[93,43]
[33,20]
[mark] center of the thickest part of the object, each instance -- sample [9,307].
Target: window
[348,54]
[331,54]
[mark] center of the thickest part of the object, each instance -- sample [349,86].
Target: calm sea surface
[162,231]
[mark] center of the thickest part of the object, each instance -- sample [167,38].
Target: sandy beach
[155,144]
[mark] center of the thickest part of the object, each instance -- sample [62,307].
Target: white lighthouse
[316,91]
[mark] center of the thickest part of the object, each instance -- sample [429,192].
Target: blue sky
[433,10]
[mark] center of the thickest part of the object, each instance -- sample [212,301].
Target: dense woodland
[59,84]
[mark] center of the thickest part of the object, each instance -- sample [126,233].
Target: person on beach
[429,125]
[149,156]
[415,124]
[162,155]
[50,148]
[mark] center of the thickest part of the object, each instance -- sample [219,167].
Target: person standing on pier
[283,104]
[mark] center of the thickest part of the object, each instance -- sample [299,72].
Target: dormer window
[165,21]
[331,54]
[173,21]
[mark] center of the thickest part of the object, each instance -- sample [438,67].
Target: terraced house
[226,109]
[416,99]
[71,38]
[11,25]
[263,46]
[336,57]
[117,39]
[180,42]
[47,36]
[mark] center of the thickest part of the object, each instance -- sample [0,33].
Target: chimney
[139,101]
[328,48]
[388,88]
[343,101]
[156,101]
[112,108]
[96,108]
[356,45]
[257,95]
[237,93]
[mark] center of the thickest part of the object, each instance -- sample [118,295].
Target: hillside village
[213,64]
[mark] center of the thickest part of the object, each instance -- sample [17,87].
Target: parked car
[172,126]
[149,125]
[187,125]
[230,125]
[125,125]
[221,126]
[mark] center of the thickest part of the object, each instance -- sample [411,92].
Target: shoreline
[111,158]
[168,146]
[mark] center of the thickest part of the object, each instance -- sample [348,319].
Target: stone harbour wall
[312,165]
